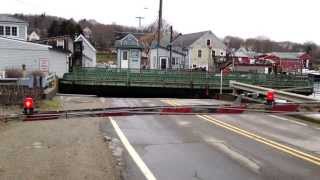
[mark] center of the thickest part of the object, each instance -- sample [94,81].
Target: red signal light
[28,103]
[270,96]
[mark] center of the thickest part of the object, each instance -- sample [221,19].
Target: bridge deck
[178,79]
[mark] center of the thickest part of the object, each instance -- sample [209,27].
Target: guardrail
[297,98]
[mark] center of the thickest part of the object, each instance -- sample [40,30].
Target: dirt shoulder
[72,149]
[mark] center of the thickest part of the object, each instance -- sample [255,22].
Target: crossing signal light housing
[28,105]
[270,97]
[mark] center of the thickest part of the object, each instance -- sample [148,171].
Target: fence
[14,94]
[14,90]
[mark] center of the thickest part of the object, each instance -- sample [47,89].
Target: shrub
[14,73]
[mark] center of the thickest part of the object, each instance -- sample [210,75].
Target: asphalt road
[222,147]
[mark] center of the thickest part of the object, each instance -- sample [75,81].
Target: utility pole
[170,47]
[159,31]
[140,18]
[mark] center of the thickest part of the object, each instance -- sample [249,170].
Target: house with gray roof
[129,52]
[198,50]
[13,28]
[163,52]
[35,57]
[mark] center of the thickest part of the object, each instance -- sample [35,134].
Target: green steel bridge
[174,79]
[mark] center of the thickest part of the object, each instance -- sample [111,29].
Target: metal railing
[297,98]
[181,78]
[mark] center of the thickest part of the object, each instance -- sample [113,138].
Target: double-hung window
[125,55]
[1,30]
[199,53]
[8,30]
[14,31]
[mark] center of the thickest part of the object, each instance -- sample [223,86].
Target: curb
[307,118]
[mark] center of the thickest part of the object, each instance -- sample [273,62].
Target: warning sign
[44,65]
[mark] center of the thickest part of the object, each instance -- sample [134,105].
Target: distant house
[163,52]
[288,61]
[66,43]
[60,42]
[33,36]
[15,53]
[89,53]
[87,32]
[200,48]
[195,50]
[245,56]
[129,52]
[11,27]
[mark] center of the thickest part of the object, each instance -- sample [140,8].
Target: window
[135,54]
[8,31]
[125,55]
[173,61]
[213,53]
[199,53]
[208,42]
[1,30]
[14,31]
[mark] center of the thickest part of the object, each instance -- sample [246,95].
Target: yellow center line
[273,144]
[278,146]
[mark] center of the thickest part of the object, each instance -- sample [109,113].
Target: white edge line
[285,119]
[132,152]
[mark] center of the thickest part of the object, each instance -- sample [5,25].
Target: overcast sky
[280,20]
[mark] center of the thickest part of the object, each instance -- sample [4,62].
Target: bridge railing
[182,78]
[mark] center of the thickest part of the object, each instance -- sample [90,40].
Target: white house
[163,52]
[177,61]
[33,36]
[129,52]
[13,28]
[66,43]
[89,53]
[15,53]
[197,50]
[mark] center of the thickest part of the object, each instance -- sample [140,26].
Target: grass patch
[106,58]
[50,105]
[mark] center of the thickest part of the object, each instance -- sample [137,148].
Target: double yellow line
[286,149]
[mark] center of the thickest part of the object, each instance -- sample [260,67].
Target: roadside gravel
[72,149]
